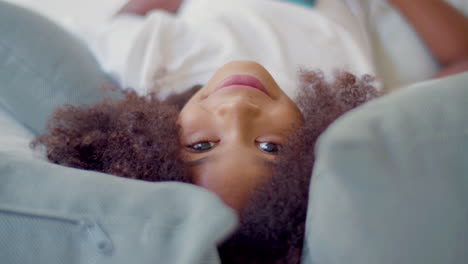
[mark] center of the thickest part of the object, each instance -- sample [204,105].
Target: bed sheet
[399,56]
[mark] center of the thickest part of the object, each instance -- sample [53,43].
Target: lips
[243,80]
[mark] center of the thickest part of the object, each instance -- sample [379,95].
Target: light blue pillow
[58,215]
[391,180]
[42,67]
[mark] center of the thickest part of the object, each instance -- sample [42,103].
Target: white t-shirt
[175,52]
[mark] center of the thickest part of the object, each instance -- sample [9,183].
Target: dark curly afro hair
[136,137]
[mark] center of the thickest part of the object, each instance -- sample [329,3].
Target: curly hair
[132,138]
[135,138]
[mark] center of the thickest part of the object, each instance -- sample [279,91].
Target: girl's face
[233,128]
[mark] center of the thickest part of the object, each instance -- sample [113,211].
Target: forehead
[232,160]
[242,162]
[231,177]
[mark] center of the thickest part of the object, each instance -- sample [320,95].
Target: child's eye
[201,146]
[269,147]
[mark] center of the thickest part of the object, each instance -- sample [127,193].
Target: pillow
[14,138]
[60,12]
[58,215]
[42,67]
[391,178]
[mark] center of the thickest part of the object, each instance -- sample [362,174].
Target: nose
[238,109]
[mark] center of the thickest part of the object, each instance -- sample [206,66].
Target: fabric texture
[43,67]
[174,52]
[391,179]
[58,215]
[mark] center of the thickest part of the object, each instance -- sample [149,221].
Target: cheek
[194,123]
[286,118]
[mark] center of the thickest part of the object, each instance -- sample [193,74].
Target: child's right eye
[201,146]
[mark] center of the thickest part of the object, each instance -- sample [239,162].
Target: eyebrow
[206,159]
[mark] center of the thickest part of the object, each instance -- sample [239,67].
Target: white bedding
[173,53]
[399,56]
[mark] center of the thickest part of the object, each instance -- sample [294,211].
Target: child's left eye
[201,146]
[269,147]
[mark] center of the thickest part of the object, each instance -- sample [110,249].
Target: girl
[239,135]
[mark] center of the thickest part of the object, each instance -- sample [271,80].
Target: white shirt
[175,52]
